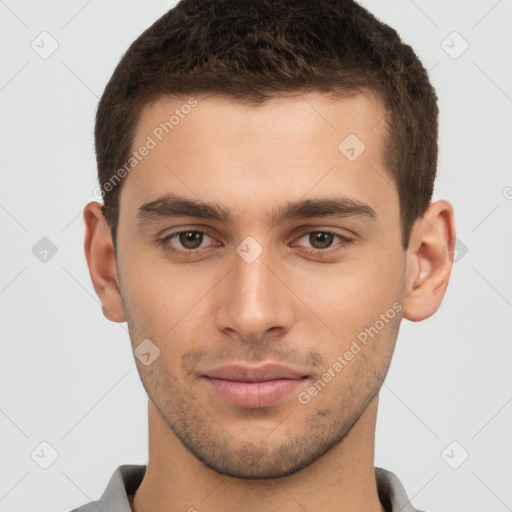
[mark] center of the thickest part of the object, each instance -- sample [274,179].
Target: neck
[342,480]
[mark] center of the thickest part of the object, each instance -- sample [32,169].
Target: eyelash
[345,241]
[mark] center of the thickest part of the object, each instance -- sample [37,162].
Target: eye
[322,240]
[188,241]
[191,241]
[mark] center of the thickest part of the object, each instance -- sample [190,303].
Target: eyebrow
[171,206]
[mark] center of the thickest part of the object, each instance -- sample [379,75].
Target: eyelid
[332,231]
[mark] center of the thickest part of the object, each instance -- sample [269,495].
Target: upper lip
[244,373]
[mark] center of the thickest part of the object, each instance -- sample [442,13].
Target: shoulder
[392,493]
[125,480]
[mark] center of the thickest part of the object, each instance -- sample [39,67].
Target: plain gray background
[68,376]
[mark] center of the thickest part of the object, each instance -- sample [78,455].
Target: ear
[99,253]
[429,261]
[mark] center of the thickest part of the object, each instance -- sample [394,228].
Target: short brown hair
[251,51]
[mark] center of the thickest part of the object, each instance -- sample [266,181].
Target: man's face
[255,289]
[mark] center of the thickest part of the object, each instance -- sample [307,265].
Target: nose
[254,299]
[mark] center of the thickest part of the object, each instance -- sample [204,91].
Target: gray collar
[127,478]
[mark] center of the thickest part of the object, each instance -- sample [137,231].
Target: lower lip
[254,394]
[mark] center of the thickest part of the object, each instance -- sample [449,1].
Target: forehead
[300,115]
[226,151]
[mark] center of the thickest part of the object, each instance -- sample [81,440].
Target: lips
[269,371]
[252,387]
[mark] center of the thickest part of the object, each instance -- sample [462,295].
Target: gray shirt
[127,478]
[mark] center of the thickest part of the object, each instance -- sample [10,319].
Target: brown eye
[190,239]
[186,241]
[323,240]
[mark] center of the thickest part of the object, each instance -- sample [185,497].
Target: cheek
[166,301]
[160,290]
[351,296]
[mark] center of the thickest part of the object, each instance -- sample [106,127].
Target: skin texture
[291,305]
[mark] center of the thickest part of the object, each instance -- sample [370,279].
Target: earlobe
[99,253]
[429,261]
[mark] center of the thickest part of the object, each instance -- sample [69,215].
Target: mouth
[254,387]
